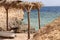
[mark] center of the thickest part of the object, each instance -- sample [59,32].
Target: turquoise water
[47,15]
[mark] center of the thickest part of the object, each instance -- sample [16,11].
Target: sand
[20,36]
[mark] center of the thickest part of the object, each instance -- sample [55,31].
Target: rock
[49,32]
[13,13]
[24,29]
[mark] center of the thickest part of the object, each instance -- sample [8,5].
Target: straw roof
[20,4]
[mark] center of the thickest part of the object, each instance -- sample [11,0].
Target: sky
[47,2]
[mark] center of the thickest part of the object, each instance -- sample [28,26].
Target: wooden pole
[7,18]
[28,9]
[28,15]
[39,17]
[6,8]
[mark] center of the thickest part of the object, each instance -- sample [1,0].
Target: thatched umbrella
[28,7]
[24,5]
[7,5]
[37,6]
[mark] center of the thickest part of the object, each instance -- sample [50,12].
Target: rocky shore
[49,32]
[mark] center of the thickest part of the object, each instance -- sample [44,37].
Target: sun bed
[4,34]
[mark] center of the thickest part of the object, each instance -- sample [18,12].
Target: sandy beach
[20,36]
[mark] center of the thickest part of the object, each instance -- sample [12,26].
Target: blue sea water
[47,15]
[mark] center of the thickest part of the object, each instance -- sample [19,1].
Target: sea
[47,15]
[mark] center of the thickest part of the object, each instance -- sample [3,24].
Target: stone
[13,13]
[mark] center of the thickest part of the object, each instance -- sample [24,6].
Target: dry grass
[49,32]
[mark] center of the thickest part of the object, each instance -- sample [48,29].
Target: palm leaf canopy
[21,4]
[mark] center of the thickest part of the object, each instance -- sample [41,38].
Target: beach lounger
[4,34]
